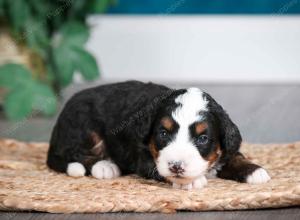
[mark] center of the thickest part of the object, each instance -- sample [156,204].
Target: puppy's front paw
[105,169]
[260,175]
[200,182]
[196,184]
[180,186]
[75,169]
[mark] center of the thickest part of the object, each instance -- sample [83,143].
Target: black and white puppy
[179,136]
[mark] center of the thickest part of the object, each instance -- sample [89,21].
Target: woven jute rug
[27,184]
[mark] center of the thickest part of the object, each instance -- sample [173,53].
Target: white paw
[196,184]
[211,174]
[75,169]
[258,176]
[105,169]
[200,182]
[180,186]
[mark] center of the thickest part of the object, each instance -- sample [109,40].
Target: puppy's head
[191,132]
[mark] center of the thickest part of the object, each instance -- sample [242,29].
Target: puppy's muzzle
[176,167]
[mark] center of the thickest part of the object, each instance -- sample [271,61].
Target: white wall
[197,48]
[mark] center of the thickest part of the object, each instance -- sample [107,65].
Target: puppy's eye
[163,133]
[202,139]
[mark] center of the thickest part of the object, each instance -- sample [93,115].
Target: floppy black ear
[142,116]
[230,137]
[141,127]
[148,109]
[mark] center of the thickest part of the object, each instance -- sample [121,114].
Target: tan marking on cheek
[153,149]
[167,123]
[200,127]
[214,156]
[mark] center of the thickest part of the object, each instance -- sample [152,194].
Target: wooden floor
[264,113]
[274,214]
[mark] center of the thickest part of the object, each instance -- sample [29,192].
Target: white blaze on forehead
[182,148]
[192,102]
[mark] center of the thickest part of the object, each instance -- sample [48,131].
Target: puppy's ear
[141,127]
[230,137]
[149,108]
[144,113]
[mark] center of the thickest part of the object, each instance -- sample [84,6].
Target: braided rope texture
[27,184]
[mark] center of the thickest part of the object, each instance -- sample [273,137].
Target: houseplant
[52,33]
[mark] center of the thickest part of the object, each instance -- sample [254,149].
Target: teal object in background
[280,7]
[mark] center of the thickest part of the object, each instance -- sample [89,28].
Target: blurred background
[245,53]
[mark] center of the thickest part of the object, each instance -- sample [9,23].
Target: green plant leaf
[18,12]
[13,75]
[72,34]
[50,76]
[85,63]
[69,59]
[44,99]
[40,7]
[78,9]
[2,7]
[99,6]
[64,65]
[31,95]
[36,36]
[18,103]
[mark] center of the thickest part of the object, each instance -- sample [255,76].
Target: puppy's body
[149,130]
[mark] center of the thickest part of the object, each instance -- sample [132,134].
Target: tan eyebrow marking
[200,127]
[167,123]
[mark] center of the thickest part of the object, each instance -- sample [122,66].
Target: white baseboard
[198,48]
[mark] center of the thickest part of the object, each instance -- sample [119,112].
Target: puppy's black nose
[176,167]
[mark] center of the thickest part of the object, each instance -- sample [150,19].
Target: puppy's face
[185,137]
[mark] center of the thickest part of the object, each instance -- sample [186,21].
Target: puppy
[179,136]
